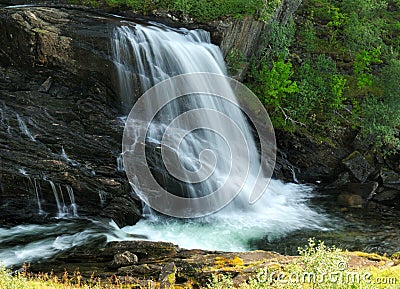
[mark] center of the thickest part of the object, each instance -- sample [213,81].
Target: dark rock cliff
[56,94]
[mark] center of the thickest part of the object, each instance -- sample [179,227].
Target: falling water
[74,207]
[24,129]
[146,55]
[63,209]
[67,159]
[102,197]
[60,206]
[120,163]
[35,186]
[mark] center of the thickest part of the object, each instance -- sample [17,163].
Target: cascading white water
[35,187]
[120,163]
[66,158]
[63,209]
[73,206]
[102,197]
[146,55]
[60,205]
[24,129]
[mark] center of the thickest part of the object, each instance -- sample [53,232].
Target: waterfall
[24,129]
[120,163]
[147,55]
[36,188]
[74,207]
[60,207]
[102,197]
[67,159]
[63,209]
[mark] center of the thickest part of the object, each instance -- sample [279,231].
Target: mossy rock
[370,256]
[395,256]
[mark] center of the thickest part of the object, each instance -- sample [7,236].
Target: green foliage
[361,33]
[318,258]
[382,114]
[338,85]
[309,36]
[337,20]
[204,10]
[235,61]
[362,66]
[275,88]
[340,55]
[321,92]
[92,3]
[277,41]
[365,8]
[276,84]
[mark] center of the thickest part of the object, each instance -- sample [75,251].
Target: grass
[24,280]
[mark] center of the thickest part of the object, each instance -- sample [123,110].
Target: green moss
[370,256]
[396,255]
[171,278]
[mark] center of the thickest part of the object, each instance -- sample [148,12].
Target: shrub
[362,66]
[275,87]
[381,122]
[277,41]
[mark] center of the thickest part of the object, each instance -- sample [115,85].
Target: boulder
[358,166]
[388,197]
[167,276]
[366,190]
[390,179]
[124,259]
[350,200]
[356,195]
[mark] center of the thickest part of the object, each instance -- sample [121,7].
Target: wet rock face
[59,128]
[66,118]
[75,41]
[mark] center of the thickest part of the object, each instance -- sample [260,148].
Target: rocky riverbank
[153,264]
